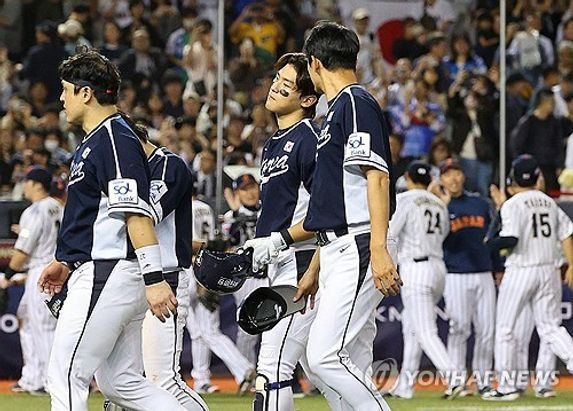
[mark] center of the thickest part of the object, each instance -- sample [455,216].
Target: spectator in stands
[267,33]
[173,90]
[539,133]
[116,10]
[567,30]
[19,116]
[462,58]
[81,13]
[473,139]
[72,34]
[565,57]
[260,129]
[487,40]
[440,150]
[245,69]
[55,144]
[442,11]
[6,78]
[283,15]
[140,22]
[142,59]
[112,46]
[11,26]
[155,111]
[182,37]
[191,104]
[167,19]
[434,58]
[550,76]
[369,64]
[42,61]
[37,95]
[127,97]
[530,50]
[419,120]
[560,90]
[409,46]
[519,91]
[7,151]
[234,143]
[400,163]
[401,77]
[200,59]
[205,174]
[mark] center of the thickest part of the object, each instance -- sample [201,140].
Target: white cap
[360,13]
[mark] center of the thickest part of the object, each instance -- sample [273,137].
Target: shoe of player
[453,392]
[389,394]
[109,406]
[500,396]
[466,392]
[314,392]
[485,392]
[17,388]
[207,388]
[545,393]
[40,392]
[248,382]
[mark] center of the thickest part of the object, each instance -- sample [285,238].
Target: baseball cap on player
[243,181]
[450,164]
[221,272]
[419,172]
[524,171]
[40,175]
[266,306]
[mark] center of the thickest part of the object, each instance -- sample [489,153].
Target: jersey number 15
[541,225]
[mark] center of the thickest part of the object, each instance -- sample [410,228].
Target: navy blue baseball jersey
[464,248]
[170,200]
[287,169]
[353,135]
[109,177]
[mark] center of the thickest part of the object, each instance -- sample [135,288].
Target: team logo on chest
[273,167]
[76,173]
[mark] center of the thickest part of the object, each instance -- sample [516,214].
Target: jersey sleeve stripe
[112,139]
[355,127]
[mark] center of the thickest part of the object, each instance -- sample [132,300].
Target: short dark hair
[90,68]
[303,82]
[334,45]
[542,93]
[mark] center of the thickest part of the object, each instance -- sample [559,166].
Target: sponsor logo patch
[122,191]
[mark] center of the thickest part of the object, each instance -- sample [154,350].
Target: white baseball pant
[424,283]
[539,287]
[470,299]
[284,345]
[99,332]
[37,326]
[345,314]
[204,328]
[162,346]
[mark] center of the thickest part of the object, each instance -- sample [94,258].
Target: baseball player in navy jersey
[532,223]
[34,248]
[469,293]
[287,167]
[107,248]
[351,203]
[420,225]
[203,323]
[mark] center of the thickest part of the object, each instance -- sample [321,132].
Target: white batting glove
[266,249]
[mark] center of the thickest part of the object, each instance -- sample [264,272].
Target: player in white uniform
[532,223]
[34,248]
[420,224]
[239,226]
[203,324]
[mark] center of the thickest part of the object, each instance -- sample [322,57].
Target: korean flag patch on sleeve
[122,191]
[358,145]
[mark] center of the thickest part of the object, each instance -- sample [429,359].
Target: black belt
[421,259]
[322,236]
[76,264]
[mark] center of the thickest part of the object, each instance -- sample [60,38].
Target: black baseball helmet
[222,272]
[266,306]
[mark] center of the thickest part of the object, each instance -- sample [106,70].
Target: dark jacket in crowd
[41,64]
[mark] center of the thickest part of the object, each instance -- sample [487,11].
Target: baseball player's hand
[266,249]
[161,300]
[384,273]
[4,283]
[569,277]
[498,277]
[53,278]
[308,287]
[497,196]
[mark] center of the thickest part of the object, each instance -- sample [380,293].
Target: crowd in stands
[438,82]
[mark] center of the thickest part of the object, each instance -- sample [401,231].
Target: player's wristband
[287,237]
[9,273]
[149,258]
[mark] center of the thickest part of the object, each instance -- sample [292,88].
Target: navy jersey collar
[333,100]
[283,132]
[100,125]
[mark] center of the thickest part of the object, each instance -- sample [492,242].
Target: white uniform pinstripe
[204,325]
[531,278]
[421,223]
[39,226]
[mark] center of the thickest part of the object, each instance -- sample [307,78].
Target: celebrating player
[107,224]
[532,224]
[420,225]
[287,168]
[34,248]
[351,203]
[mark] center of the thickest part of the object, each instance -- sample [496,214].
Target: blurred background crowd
[435,76]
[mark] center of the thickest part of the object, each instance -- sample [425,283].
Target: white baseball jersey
[203,221]
[39,225]
[538,223]
[420,224]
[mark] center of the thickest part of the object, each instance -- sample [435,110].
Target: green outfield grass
[429,401]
